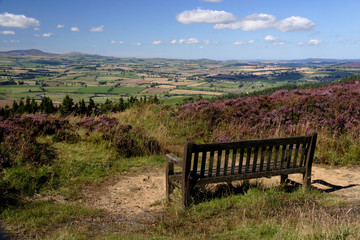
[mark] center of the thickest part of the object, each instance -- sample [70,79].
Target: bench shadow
[332,187]
[207,193]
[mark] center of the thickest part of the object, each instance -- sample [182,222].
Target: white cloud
[11,41]
[36,29]
[244,42]
[256,21]
[206,42]
[271,38]
[20,21]
[295,24]
[138,44]
[252,22]
[97,29]
[48,35]
[345,41]
[215,1]
[173,42]
[312,42]
[7,32]
[75,29]
[274,40]
[188,41]
[156,42]
[205,16]
[60,26]
[114,42]
[240,43]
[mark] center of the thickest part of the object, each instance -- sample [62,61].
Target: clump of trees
[68,106]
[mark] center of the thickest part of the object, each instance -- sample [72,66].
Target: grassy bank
[47,160]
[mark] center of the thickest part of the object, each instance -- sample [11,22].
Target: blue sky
[186,29]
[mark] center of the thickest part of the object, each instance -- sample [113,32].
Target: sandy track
[145,193]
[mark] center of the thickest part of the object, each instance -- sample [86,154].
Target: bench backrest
[249,156]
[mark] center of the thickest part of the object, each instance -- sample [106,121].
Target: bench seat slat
[228,172]
[251,143]
[212,179]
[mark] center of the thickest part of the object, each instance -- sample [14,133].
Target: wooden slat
[296,154]
[303,153]
[203,164]
[248,158]
[226,163]
[283,156]
[256,151]
[218,164]
[241,160]
[289,155]
[174,159]
[233,163]
[263,152]
[206,175]
[269,158]
[211,162]
[277,148]
[195,162]
[250,175]
[251,143]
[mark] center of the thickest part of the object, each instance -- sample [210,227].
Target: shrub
[127,140]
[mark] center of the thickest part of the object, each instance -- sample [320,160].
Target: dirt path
[131,195]
[144,193]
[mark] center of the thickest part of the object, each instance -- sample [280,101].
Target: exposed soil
[143,194]
[130,195]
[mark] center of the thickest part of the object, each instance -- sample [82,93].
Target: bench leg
[186,196]
[306,180]
[169,185]
[283,178]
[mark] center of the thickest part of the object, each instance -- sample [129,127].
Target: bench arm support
[171,158]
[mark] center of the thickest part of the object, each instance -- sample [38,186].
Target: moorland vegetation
[57,153]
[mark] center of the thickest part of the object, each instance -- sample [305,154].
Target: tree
[34,106]
[47,106]
[91,108]
[82,107]
[28,105]
[15,107]
[67,105]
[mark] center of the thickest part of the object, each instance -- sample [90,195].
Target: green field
[84,76]
[127,90]
[93,90]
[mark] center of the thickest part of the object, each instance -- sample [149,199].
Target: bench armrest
[171,158]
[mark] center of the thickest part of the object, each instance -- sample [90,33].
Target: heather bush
[333,111]
[23,160]
[332,107]
[127,140]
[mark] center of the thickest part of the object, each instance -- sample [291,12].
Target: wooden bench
[242,160]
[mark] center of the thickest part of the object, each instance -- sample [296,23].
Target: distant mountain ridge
[308,61]
[29,52]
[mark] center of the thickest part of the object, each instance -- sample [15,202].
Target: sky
[185,29]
